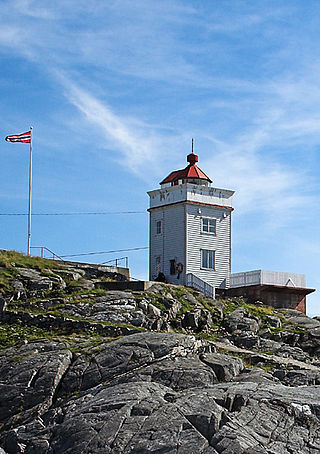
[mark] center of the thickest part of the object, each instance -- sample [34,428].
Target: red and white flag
[25,137]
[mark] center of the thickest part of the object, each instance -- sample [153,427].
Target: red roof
[191,171]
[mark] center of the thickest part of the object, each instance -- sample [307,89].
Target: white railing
[258,277]
[197,283]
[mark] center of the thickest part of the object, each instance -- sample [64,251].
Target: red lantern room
[190,174]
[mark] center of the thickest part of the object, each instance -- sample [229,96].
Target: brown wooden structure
[278,296]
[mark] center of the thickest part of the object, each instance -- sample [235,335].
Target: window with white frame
[207,259]
[158,227]
[209,225]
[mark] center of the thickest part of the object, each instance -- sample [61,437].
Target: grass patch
[11,334]
[268,367]
[210,337]
[231,305]
[5,278]
[10,259]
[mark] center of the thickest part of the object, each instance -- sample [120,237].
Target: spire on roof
[192,158]
[191,173]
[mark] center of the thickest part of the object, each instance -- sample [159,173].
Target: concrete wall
[129,285]
[96,270]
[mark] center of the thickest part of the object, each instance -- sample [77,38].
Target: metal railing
[44,249]
[197,283]
[117,261]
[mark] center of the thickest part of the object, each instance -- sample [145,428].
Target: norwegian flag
[25,137]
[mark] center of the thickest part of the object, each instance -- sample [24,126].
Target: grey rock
[40,284]
[17,286]
[255,375]
[294,352]
[191,319]
[273,321]
[142,417]
[28,273]
[190,299]
[154,311]
[225,367]
[299,318]
[58,282]
[127,355]
[30,376]
[298,377]
[247,340]
[115,295]
[127,419]
[178,373]
[264,418]
[172,305]
[238,320]
[84,284]
[197,320]
[143,304]
[248,324]
[315,332]
[282,349]
[269,345]
[153,393]
[70,274]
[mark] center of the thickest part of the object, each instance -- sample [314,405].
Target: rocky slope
[86,370]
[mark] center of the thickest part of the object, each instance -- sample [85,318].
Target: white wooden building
[190,229]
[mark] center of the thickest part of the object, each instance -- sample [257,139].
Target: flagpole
[30,185]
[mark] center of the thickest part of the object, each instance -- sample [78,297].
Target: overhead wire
[106,252]
[74,214]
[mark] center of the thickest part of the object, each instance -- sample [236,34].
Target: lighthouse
[190,230]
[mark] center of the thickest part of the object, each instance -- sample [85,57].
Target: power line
[74,214]
[106,252]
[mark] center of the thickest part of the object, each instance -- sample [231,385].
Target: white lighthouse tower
[190,230]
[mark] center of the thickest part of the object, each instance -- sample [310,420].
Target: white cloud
[138,146]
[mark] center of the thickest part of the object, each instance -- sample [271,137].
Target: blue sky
[115,90]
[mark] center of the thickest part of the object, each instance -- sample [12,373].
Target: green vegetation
[9,260]
[267,366]
[5,277]
[11,334]
[231,304]
[210,337]
[162,296]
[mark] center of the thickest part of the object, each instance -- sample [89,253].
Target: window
[208,225]
[173,267]
[158,227]
[207,259]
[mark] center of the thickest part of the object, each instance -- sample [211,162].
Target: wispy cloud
[139,149]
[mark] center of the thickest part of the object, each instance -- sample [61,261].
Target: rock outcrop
[89,371]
